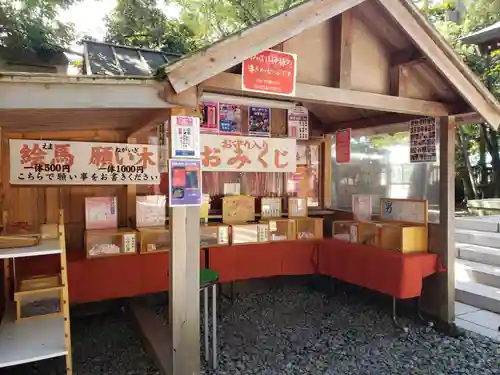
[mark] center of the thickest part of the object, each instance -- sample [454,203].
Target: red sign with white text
[271,72]
[343,146]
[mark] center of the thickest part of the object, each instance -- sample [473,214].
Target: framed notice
[298,123]
[404,210]
[362,207]
[209,122]
[185,183]
[423,136]
[271,72]
[185,137]
[343,146]
[259,121]
[229,118]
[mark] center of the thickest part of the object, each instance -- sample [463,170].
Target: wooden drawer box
[38,296]
[405,238]
[281,229]
[154,240]
[107,242]
[214,234]
[309,228]
[249,233]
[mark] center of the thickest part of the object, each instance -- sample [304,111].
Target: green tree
[215,19]
[141,23]
[32,25]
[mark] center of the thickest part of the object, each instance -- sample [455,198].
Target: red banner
[343,146]
[270,72]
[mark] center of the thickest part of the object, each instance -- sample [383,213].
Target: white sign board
[247,154]
[162,141]
[185,137]
[403,210]
[36,162]
[423,140]
[298,123]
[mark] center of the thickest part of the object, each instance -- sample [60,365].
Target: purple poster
[259,121]
[184,183]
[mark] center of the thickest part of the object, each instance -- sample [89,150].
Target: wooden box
[406,238]
[38,296]
[249,233]
[345,230]
[309,228]
[281,229]
[106,242]
[214,234]
[154,240]
[238,209]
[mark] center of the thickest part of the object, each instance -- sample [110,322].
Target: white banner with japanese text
[247,154]
[37,162]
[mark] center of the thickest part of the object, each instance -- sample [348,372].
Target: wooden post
[184,302]
[131,195]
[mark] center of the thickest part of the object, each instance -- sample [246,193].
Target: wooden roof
[360,63]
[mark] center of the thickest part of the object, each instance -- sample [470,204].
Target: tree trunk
[482,154]
[492,145]
[468,179]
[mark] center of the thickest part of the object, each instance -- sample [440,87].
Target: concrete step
[481,296]
[478,254]
[480,223]
[475,237]
[467,271]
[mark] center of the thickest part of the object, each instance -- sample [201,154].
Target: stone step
[481,296]
[478,254]
[482,223]
[485,274]
[475,237]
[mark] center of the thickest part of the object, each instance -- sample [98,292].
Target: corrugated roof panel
[102,60]
[131,62]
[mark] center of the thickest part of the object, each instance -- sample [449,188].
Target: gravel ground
[105,344]
[294,330]
[283,330]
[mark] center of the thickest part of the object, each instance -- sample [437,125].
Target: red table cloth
[389,272]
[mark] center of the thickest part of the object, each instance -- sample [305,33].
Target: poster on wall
[185,183]
[162,142]
[423,140]
[229,118]
[362,207]
[37,162]
[209,121]
[298,123]
[343,146]
[185,137]
[259,121]
[271,72]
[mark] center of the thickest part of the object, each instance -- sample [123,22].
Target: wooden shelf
[45,247]
[30,340]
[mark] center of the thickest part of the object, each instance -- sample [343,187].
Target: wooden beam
[221,56]
[150,124]
[346,35]
[444,58]
[407,57]
[189,98]
[231,83]
[372,122]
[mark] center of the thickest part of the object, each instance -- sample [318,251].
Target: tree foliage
[32,25]
[141,23]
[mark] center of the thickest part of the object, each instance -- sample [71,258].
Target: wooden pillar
[439,289]
[184,302]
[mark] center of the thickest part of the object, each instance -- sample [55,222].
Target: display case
[155,239]
[238,209]
[107,242]
[309,228]
[214,234]
[281,229]
[249,233]
[345,230]
[406,238]
[38,296]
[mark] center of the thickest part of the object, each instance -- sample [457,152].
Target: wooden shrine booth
[350,74]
